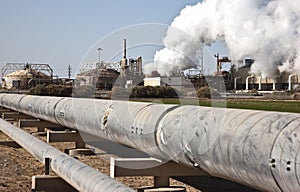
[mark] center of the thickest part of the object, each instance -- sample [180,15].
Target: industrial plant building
[105,75]
[101,78]
[128,73]
[25,75]
[239,77]
[242,79]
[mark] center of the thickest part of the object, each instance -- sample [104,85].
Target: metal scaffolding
[11,67]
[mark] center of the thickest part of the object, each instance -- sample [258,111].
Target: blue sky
[63,32]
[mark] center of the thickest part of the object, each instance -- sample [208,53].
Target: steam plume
[266,30]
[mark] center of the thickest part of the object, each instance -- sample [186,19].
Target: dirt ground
[18,166]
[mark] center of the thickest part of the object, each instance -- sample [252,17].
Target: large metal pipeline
[70,169]
[255,148]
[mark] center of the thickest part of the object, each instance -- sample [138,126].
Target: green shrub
[38,90]
[120,92]
[51,90]
[154,92]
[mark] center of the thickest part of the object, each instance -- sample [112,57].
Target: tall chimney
[124,48]
[124,65]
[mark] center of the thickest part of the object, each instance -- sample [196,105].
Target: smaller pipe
[290,81]
[76,173]
[247,82]
[259,83]
[235,80]
[274,84]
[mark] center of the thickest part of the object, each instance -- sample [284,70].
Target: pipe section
[255,148]
[274,84]
[247,81]
[235,82]
[290,81]
[79,175]
[259,83]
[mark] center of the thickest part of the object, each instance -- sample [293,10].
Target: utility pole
[69,72]
[99,61]
[218,62]
[202,63]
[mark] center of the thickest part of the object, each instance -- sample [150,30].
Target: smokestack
[124,65]
[124,48]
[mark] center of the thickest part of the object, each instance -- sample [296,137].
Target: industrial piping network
[255,148]
[68,168]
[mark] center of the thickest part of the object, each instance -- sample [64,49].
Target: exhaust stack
[124,66]
[124,49]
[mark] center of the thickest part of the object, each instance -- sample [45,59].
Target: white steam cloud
[266,30]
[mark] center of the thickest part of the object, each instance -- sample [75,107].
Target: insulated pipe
[256,148]
[79,175]
[290,81]
[259,83]
[247,82]
[274,84]
[235,82]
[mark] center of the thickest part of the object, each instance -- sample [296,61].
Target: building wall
[103,79]
[152,81]
[9,82]
[24,79]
